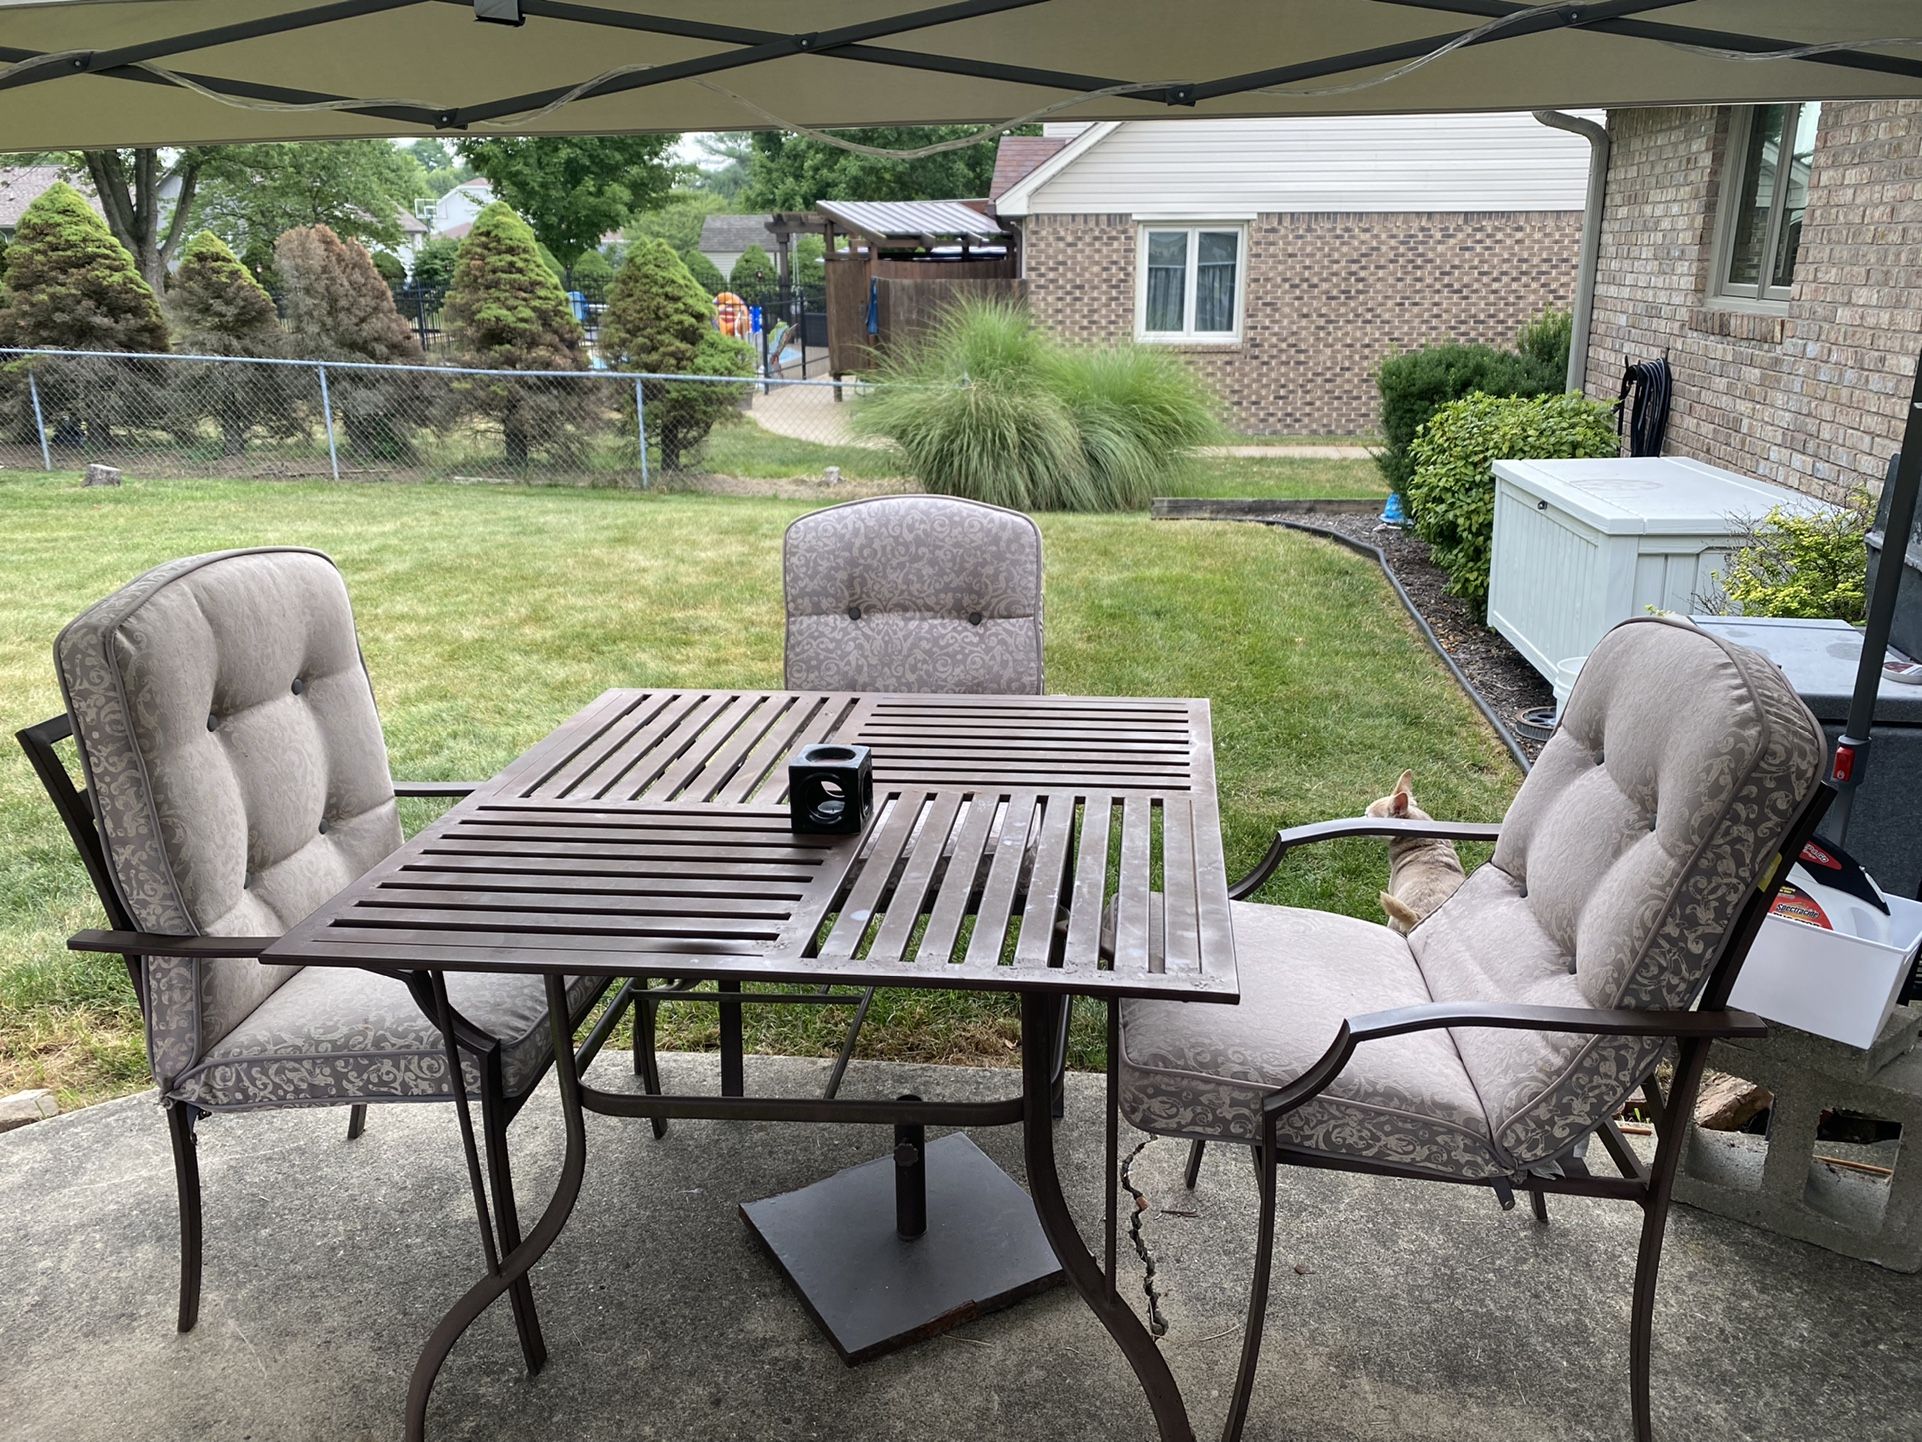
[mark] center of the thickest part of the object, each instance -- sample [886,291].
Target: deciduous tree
[573,189]
[791,172]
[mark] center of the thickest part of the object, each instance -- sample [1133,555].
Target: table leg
[518,1262]
[733,1067]
[1040,1018]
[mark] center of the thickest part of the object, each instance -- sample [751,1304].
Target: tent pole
[1852,750]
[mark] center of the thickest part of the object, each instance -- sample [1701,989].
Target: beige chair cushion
[914,594]
[1195,1069]
[227,730]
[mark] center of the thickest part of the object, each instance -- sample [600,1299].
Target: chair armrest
[436,788]
[155,943]
[1289,838]
[1589,1021]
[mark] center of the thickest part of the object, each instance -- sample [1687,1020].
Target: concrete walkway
[1399,1312]
[811,413]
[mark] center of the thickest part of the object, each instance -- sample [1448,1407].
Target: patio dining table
[1014,845]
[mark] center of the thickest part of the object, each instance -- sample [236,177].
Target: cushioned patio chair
[1488,1045]
[236,778]
[894,594]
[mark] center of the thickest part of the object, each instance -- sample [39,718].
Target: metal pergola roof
[912,220]
[85,73]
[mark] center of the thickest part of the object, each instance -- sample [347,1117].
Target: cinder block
[1899,1035]
[1777,1183]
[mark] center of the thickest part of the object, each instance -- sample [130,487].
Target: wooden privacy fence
[909,297]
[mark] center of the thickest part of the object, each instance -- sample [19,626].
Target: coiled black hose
[1651,383]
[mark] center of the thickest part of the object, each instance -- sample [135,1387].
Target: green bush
[753,278]
[1416,382]
[987,407]
[434,264]
[592,272]
[706,273]
[1451,495]
[391,268]
[1812,564]
[1545,341]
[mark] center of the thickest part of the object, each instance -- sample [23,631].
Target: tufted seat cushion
[1202,1070]
[332,1034]
[913,594]
[1681,763]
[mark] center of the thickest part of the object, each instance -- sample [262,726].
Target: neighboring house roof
[1016,156]
[457,232]
[410,224]
[22,185]
[1228,169]
[729,233]
[910,219]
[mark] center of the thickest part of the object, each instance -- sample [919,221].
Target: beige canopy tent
[88,73]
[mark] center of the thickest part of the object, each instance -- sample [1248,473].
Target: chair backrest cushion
[1680,765]
[227,731]
[915,594]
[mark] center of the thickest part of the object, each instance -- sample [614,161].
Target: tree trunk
[127,184]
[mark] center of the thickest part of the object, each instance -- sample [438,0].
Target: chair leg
[846,1054]
[1257,1296]
[1648,1261]
[1193,1174]
[501,1180]
[1058,1101]
[647,1064]
[180,1130]
[356,1121]
[1538,1199]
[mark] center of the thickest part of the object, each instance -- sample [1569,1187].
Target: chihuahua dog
[1422,873]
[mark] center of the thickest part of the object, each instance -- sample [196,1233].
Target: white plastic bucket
[1565,674]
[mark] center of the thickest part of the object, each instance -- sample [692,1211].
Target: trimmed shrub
[987,407]
[434,264]
[1545,341]
[1451,495]
[753,278]
[1414,384]
[338,308]
[658,319]
[505,311]
[218,308]
[592,273]
[71,285]
[707,275]
[392,269]
[1794,563]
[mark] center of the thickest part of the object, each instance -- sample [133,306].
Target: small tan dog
[1422,873]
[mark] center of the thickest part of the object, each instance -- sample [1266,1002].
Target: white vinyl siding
[1189,283]
[1350,163]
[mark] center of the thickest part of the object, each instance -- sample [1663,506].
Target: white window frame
[1762,295]
[1194,229]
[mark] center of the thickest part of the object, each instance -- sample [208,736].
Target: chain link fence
[221,416]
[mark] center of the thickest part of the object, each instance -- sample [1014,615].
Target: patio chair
[1629,877]
[894,594]
[236,778]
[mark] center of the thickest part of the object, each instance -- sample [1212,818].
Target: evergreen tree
[71,285]
[753,278]
[506,311]
[659,320]
[707,275]
[434,263]
[338,308]
[218,308]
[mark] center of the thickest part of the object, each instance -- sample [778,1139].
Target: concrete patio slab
[1399,1311]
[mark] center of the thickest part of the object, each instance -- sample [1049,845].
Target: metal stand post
[327,415]
[910,1177]
[640,427]
[39,423]
[1852,749]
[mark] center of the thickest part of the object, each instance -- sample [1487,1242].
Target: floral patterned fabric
[1196,1069]
[914,594]
[1681,763]
[329,1035]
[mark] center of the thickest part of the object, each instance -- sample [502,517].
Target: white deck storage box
[1582,545]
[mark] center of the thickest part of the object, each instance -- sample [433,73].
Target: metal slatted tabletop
[1012,836]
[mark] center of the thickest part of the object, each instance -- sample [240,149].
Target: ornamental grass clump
[989,408]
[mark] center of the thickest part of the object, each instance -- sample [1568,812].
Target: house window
[1765,195]
[1190,283]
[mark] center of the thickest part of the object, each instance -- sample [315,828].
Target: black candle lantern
[830,789]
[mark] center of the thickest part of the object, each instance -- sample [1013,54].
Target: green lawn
[490,613]
[1249,478]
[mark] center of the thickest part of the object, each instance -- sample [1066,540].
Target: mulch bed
[1508,683]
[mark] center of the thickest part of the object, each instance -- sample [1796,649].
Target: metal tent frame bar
[853,42]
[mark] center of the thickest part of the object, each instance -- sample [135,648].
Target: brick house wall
[1812,397]
[1328,297]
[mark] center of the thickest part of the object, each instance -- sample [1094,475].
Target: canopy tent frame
[1498,21]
